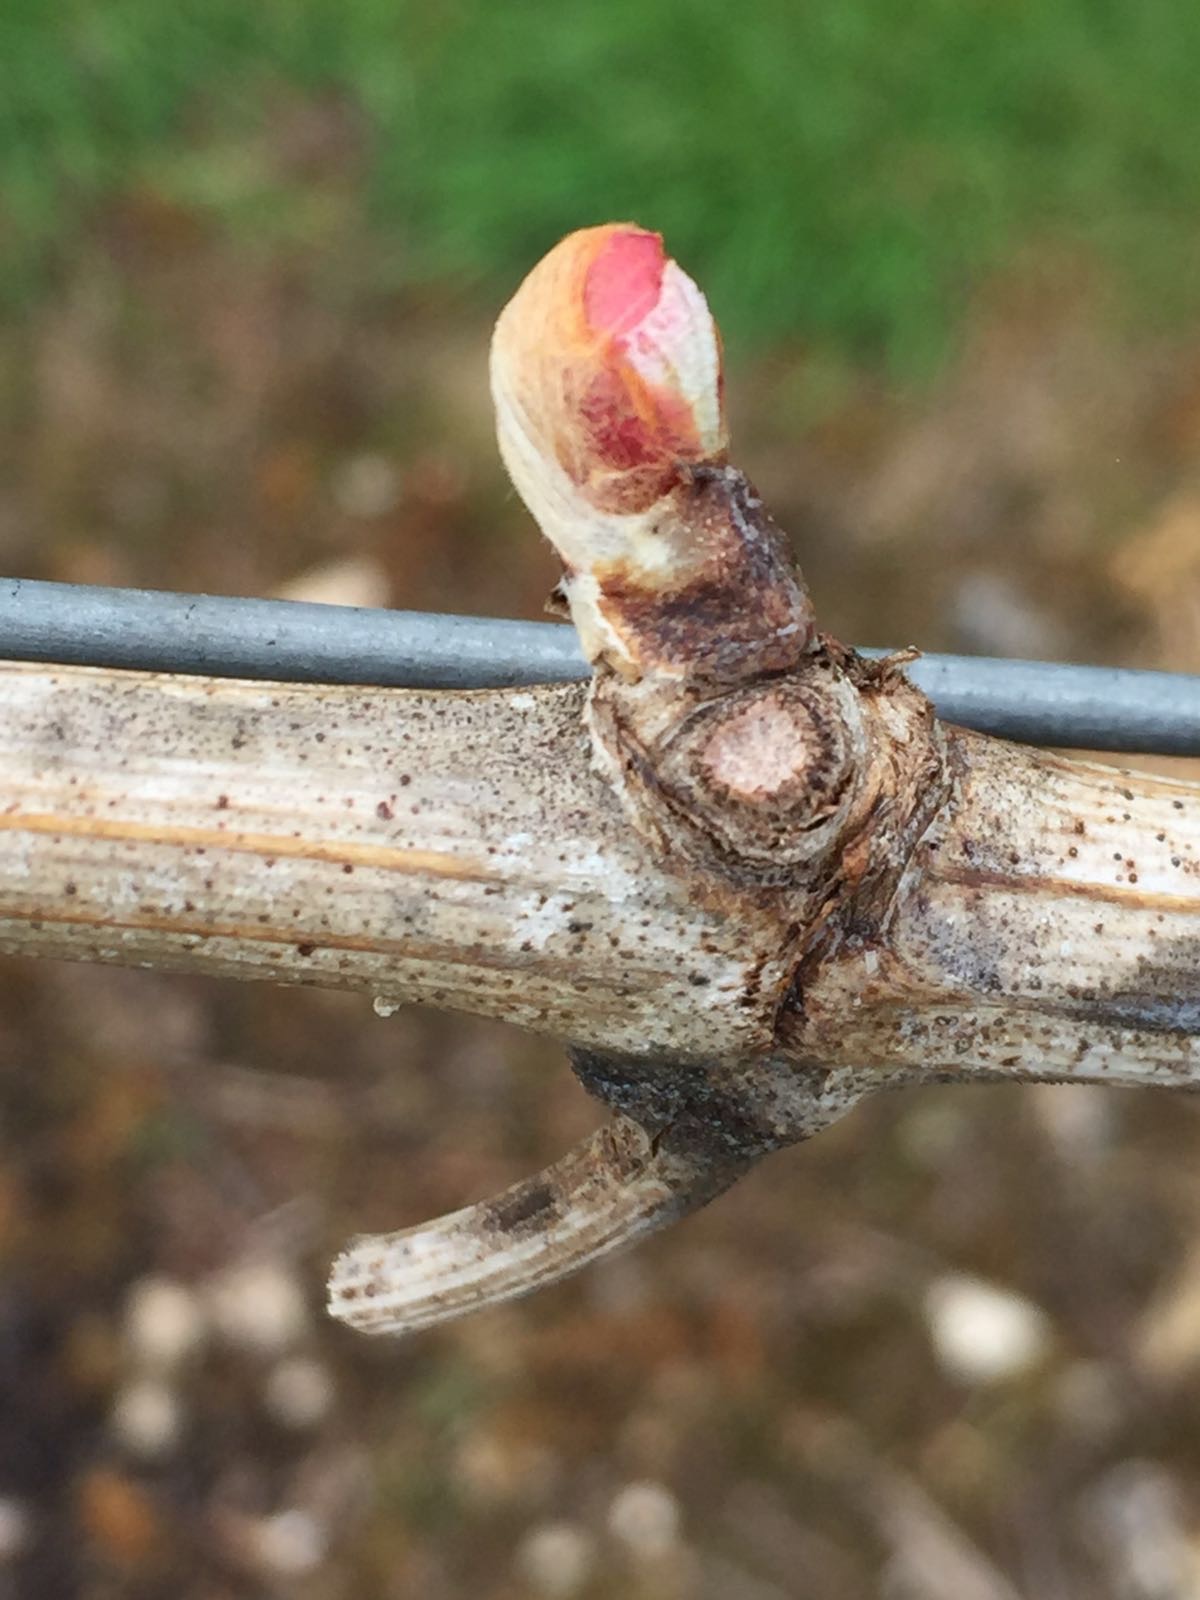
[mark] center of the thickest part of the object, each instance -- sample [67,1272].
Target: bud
[607,365]
[606,377]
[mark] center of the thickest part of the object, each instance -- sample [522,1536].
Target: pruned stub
[760,777]
[761,751]
[804,794]
[767,783]
[809,791]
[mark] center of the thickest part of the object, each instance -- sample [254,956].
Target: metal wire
[1036,702]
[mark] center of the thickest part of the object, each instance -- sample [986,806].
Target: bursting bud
[606,362]
[606,378]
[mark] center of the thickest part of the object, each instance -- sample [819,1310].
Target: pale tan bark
[451,849]
[1048,926]
[951,906]
[459,850]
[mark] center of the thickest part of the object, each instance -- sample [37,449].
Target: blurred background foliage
[841,173]
[249,257]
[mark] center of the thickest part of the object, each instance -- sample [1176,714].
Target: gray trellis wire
[1037,702]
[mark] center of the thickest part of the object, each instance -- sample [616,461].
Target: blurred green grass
[843,175]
